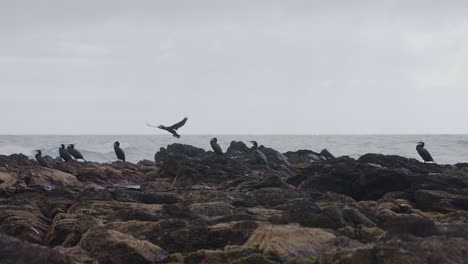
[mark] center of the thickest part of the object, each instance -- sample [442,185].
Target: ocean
[445,149]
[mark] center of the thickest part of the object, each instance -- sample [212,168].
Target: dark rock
[303,156]
[238,148]
[411,225]
[355,217]
[415,251]
[110,246]
[178,152]
[13,250]
[326,154]
[308,214]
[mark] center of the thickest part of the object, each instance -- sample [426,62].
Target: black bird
[64,154]
[425,155]
[215,146]
[259,155]
[40,159]
[119,152]
[74,152]
[171,129]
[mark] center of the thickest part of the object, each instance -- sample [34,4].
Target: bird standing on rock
[74,152]
[425,155]
[40,159]
[259,155]
[119,152]
[215,146]
[171,129]
[64,154]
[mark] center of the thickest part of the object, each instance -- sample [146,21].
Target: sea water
[448,149]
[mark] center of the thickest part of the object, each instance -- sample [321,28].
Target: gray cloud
[301,67]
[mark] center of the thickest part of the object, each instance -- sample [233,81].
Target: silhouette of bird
[215,146]
[119,152]
[64,154]
[260,157]
[425,155]
[40,159]
[171,129]
[74,152]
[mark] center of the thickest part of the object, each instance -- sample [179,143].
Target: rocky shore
[192,206]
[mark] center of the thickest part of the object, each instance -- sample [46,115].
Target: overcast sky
[234,67]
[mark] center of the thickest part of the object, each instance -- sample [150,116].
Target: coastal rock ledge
[192,206]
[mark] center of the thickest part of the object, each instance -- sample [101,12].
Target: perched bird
[64,154]
[215,146]
[259,155]
[40,159]
[74,152]
[425,155]
[119,152]
[171,129]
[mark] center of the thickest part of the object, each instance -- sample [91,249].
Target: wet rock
[288,242]
[202,208]
[355,217]
[16,251]
[433,200]
[15,161]
[411,225]
[238,148]
[67,229]
[393,161]
[110,246]
[178,152]
[211,210]
[303,156]
[416,251]
[308,214]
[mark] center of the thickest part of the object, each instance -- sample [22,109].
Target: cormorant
[215,146]
[74,152]
[425,155]
[40,159]
[119,152]
[64,154]
[259,155]
[171,129]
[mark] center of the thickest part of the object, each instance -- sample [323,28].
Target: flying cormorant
[40,159]
[216,148]
[171,129]
[74,152]
[425,155]
[119,152]
[259,155]
[64,154]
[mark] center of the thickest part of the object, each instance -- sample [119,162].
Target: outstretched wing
[150,125]
[180,124]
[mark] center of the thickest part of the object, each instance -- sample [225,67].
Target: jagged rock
[281,243]
[411,225]
[303,156]
[414,251]
[67,229]
[178,152]
[203,208]
[238,148]
[440,201]
[308,214]
[355,217]
[15,161]
[110,246]
[16,251]
[393,161]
